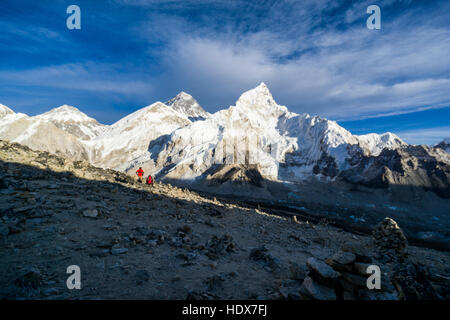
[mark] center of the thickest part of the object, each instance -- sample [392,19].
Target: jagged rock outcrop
[409,166]
[444,145]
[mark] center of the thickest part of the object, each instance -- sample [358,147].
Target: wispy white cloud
[93,77]
[342,83]
[430,136]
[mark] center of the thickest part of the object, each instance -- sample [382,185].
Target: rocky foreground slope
[163,242]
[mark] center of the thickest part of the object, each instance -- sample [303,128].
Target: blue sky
[316,56]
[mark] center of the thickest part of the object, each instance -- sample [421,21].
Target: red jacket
[149,180]
[140,172]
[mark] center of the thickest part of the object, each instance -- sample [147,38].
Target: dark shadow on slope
[241,174]
[423,228]
[155,146]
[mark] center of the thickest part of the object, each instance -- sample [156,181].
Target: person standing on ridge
[149,180]
[140,174]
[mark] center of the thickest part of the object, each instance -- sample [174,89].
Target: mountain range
[254,143]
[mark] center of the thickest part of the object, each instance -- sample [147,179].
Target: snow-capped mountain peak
[375,143]
[444,145]
[4,110]
[155,112]
[185,104]
[73,121]
[303,144]
[66,113]
[184,95]
[259,95]
[259,99]
[130,137]
[166,140]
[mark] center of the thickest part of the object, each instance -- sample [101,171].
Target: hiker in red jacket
[140,174]
[150,180]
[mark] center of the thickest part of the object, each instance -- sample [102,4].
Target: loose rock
[314,290]
[90,213]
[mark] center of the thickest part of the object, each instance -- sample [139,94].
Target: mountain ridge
[180,140]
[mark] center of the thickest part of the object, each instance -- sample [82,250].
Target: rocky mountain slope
[133,241]
[412,166]
[444,145]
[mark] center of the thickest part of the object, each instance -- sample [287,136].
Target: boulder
[90,213]
[343,257]
[322,269]
[117,251]
[354,279]
[360,268]
[314,290]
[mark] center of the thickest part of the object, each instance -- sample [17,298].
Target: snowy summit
[185,104]
[4,110]
[66,113]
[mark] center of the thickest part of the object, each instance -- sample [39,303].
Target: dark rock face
[326,166]
[248,174]
[444,145]
[415,166]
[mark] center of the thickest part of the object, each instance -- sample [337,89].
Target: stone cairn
[390,241]
[343,276]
